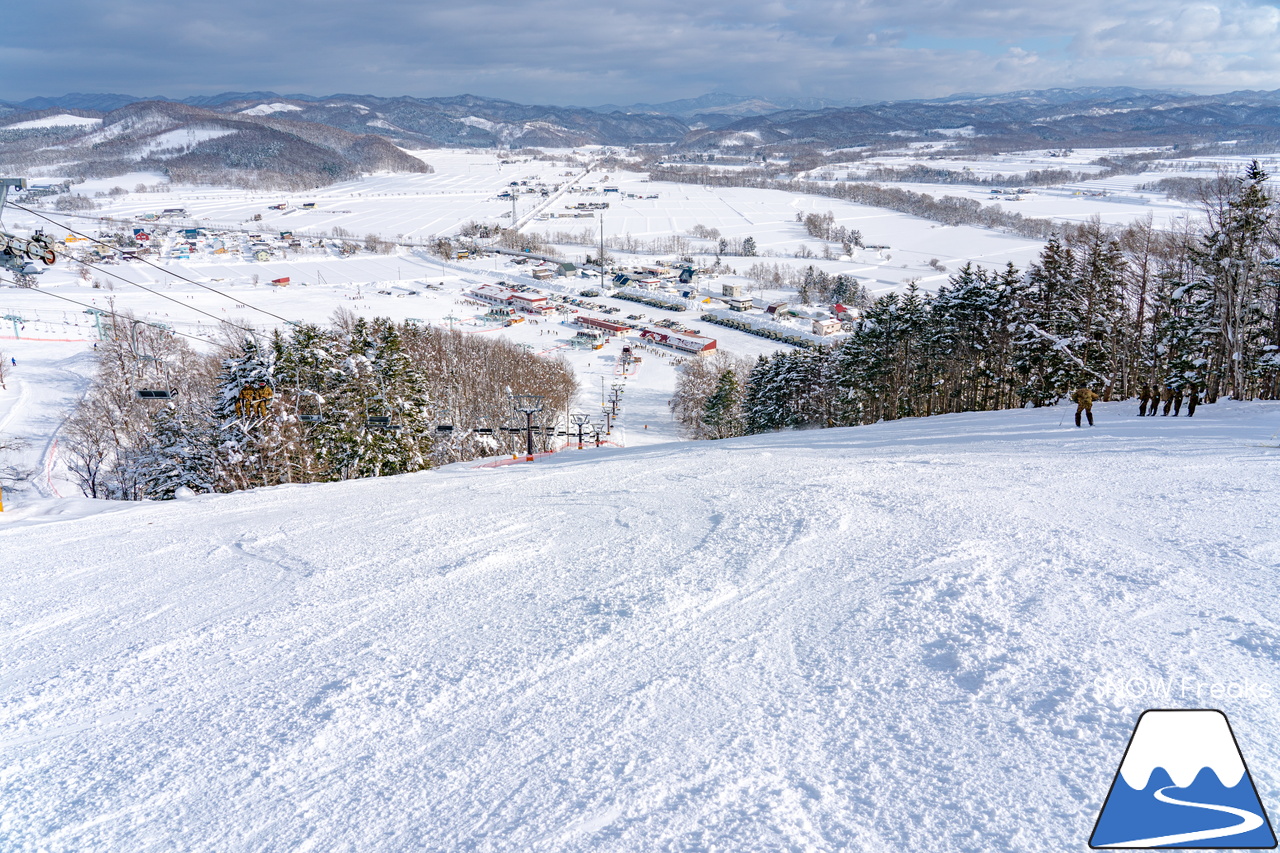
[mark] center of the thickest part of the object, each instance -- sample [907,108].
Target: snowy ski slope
[888,638]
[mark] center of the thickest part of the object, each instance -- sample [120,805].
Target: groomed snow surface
[888,638]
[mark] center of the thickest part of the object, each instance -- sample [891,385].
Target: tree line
[1113,309]
[948,210]
[356,398]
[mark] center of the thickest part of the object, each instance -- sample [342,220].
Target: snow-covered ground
[39,392]
[889,638]
[58,120]
[1116,200]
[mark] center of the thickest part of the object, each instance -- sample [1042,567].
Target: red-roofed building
[603,325]
[530,303]
[683,341]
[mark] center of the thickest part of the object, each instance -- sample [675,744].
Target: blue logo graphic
[1183,784]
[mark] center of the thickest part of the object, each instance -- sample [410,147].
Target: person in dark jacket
[1144,397]
[1166,397]
[1193,397]
[1084,399]
[1177,400]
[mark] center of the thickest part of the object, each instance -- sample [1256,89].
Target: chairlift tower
[15,320]
[580,420]
[529,404]
[97,315]
[18,254]
[5,185]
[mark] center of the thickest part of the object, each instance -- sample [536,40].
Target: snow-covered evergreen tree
[722,413]
[247,428]
[181,453]
[1047,327]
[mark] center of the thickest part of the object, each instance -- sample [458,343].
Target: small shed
[825,327]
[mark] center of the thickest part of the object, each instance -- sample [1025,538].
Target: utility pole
[601,258]
[530,404]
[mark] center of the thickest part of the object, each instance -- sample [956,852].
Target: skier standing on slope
[1084,399]
[1193,399]
[1166,397]
[1143,398]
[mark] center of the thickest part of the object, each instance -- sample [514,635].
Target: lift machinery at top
[18,254]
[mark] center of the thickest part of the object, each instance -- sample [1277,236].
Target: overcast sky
[576,52]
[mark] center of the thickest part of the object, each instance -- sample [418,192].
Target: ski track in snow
[43,388]
[883,639]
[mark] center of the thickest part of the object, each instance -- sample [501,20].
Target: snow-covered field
[1116,200]
[888,638]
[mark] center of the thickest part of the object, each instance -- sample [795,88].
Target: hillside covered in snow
[931,634]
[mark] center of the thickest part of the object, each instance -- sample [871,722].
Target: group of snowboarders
[1150,400]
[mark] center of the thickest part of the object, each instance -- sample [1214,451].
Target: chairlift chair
[381,422]
[157,393]
[315,413]
[483,430]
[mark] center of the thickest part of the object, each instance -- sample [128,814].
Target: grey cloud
[571,51]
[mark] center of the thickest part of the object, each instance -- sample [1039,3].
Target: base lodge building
[496,294]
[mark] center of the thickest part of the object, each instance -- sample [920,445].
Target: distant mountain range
[325,138]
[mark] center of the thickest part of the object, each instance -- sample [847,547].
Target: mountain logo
[1183,784]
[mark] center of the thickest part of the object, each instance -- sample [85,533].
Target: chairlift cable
[96,308]
[186,305]
[164,270]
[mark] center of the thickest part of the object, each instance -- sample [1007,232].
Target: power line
[96,308]
[157,267]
